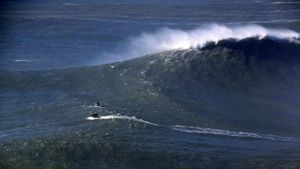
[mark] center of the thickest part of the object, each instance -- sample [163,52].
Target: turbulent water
[221,95]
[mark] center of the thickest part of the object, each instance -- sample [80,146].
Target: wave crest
[170,39]
[174,39]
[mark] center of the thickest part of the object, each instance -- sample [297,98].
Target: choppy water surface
[213,91]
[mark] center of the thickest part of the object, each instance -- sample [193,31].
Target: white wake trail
[198,130]
[112,117]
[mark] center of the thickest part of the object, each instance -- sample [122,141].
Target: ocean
[181,84]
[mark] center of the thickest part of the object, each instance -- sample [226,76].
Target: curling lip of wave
[176,39]
[198,130]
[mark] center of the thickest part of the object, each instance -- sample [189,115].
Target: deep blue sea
[181,84]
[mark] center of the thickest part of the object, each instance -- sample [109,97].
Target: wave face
[238,94]
[258,54]
[176,39]
[237,64]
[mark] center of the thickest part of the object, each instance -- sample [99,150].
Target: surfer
[98,104]
[95,115]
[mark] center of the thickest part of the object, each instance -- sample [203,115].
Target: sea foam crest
[172,39]
[176,39]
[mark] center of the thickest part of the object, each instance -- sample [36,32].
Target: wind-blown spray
[172,39]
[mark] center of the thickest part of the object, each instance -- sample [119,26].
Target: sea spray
[177,39]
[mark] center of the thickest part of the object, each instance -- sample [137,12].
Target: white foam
[70,4]
[22,60]
[174,39]
[169,39]
[112,117]
[198,130]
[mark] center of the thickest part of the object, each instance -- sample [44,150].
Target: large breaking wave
[177,39]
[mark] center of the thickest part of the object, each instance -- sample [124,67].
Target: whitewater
[167,39]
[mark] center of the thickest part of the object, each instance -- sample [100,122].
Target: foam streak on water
[23,60]
[199,130]
[112,117]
